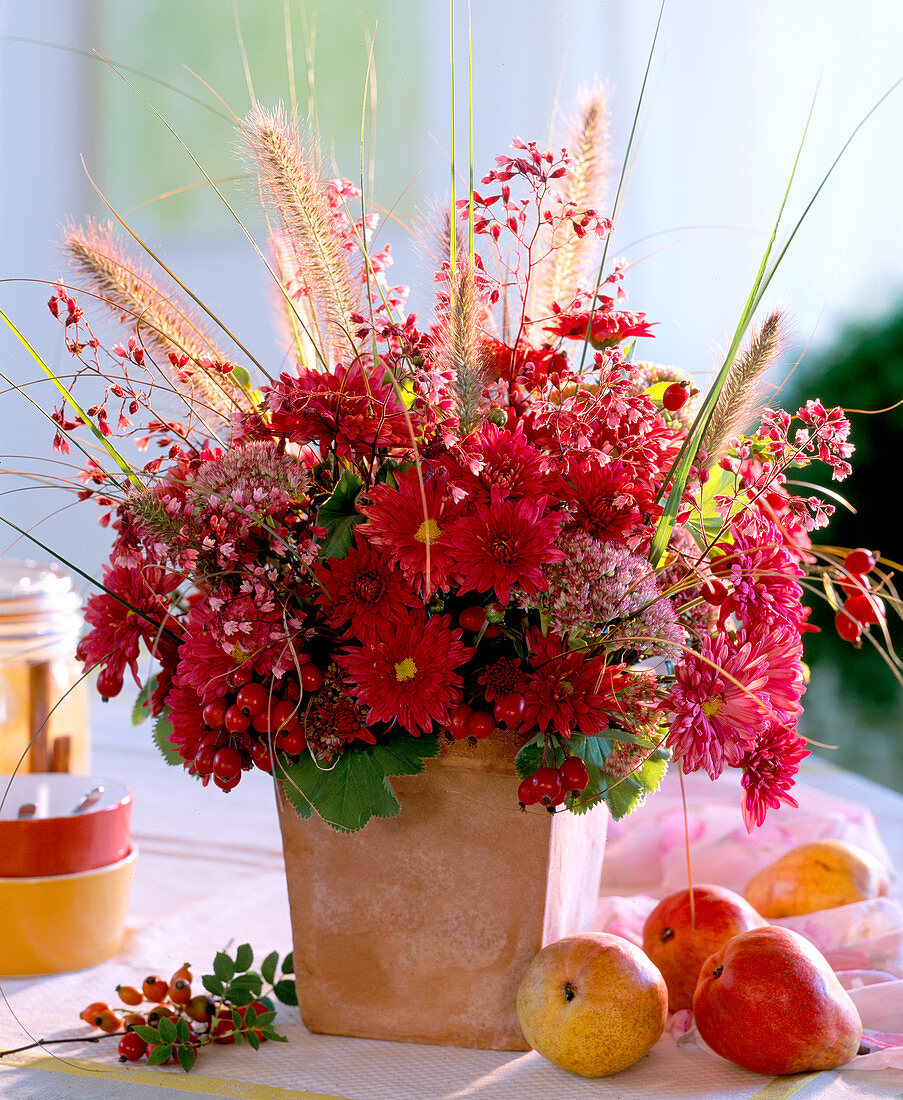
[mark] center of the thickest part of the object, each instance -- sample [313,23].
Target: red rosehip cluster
[550,787]
[862,606]
[247,724]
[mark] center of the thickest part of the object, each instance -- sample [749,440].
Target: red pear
[770,1002]
[679,942]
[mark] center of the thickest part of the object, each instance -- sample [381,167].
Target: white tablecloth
[209,874]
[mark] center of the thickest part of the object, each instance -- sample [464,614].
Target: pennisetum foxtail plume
[295,190]
[164,325]
[738,400]
[461,345]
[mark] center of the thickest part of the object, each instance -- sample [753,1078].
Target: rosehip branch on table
[499,531]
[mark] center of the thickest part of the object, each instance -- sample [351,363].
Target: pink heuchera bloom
[769,771]
[504,544]
[407,672]
[716,706]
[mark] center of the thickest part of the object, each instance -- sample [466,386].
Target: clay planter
[420,927]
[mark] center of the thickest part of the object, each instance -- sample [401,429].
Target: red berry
[227,784]
[480,724]
[291,741]
[252,699]
[226,763]
[865,609]
[676,396]
[311,677]
[854,585]
[527,793]
[848,628]
[214,714]
[180,991]
[492,631]
[156,1014]
[131,1047]
[236,721]
[203,762]
[261,755]
[548,786]
[200,1008]
[224,1029]
[241,676]
[134,1019]
[108,1021]
[90,1014]
[472,618]
[510,709]
[458,718]
[860,561]
[129,995]
[574,774]
[284,716]
[714,592]
[154,989]
[109,683]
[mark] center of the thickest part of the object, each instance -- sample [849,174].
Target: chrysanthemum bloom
[782,648]
[411,523]
[769,771]
[185,709]
[343,411]
[501,677]
[601,590]
[407,672]
[606,325]
[607,501]
[119,626]
[565,690]
[717,712]
[503,544]
[761,575]
[362,589]
[495,457]
[334,718]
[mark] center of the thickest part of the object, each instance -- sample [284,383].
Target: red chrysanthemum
[769,771]
[362,589]
[501,678]
[141,613]
[497,458]
[344,411]
[717,705]
[504,544]
[411,522]
[406,674]
[608,326]
[185,708]
[602,499]
[565,690]
[532,364]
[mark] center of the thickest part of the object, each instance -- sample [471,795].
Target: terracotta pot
[420,927]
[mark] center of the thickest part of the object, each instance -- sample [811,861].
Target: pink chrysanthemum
[362,590]
[565,690]
[761,575]
[716,706]
[119,626]
[412,524]
[505,543]
[769,770]
[407,672]
[782,649]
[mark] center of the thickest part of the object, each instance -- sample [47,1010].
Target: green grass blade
[452,236]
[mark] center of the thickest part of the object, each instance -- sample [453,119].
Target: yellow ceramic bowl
[63,922]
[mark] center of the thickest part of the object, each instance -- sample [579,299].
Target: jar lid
[38,610]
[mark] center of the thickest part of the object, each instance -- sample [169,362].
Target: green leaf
[240,376]
[707,522]
[652,771]
[140,712]
[237,996]
[252,1039]
[530,757]
[213,985]
[244,957]
[159,1055]
[268,967]
[288,963]
[251,981]
[404,755]
[274,1036]
[168,1031]
[183,1030]
[286,992]
[147,1033]
[264,1019]
[623,795]
[162,732]
[223,966]
[187,1056]
[340,516]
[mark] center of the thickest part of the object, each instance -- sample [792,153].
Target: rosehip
[472,618]
[200,1008]
[134,1019]
[226,763]
[848,628]
[157,1013]
[227,784]
[129,995]
[574,774]
[203,761]
[480,724]
[458,718]
[180,991]
[90,1014]
[214,714]
[241,676]
[261,755]
[311,677]
[865,609]
[284,716]
[714,592]
[108,1021]
[252,699]
[131,1047]
[676,396]
[154,989]
[109,683]
[292,741]
[527,794]
[236,721]
[860,561]
[510,709]
[548,786]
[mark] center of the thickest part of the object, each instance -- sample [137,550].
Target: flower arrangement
[500,522]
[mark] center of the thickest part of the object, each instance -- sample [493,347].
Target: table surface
[210,874]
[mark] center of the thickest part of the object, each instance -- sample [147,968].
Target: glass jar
[43,699]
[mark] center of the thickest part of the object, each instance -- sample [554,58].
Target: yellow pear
[592,1004]
[822,874]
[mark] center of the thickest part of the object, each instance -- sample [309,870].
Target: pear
[592,1004]
[770,1002]
[822,874]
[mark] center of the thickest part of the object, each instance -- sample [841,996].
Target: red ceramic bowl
[57,838]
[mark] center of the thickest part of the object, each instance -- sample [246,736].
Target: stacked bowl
[66,865]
